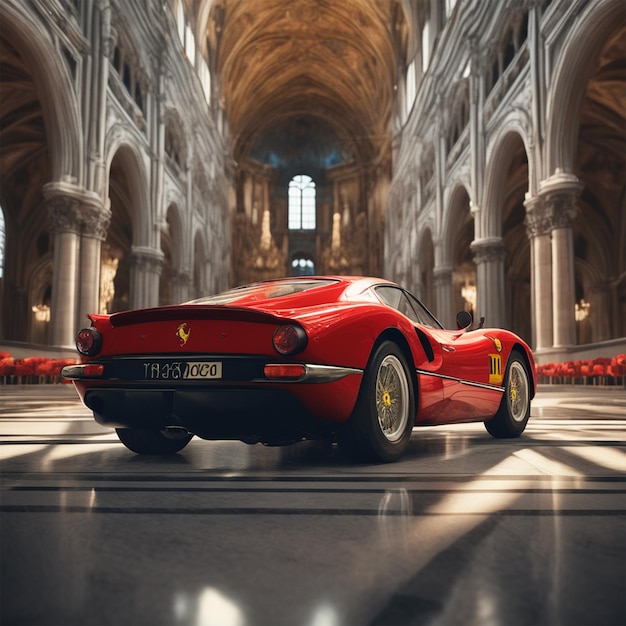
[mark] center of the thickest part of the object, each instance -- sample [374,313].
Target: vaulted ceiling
[308,79]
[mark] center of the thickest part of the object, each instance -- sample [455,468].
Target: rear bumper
[268,415]
[239,402]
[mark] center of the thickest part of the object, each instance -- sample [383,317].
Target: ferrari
[357,361]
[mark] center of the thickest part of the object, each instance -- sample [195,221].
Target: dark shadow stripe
[330,490]
[327,512]
[209,477]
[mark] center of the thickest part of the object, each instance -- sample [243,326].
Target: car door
[463,370]
[471,372]
[430,394]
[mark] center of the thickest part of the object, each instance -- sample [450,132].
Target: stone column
[64,218]
[443,295]
[181,280]
[490,300]
[538,227]
[145,271]
[563,283]
[95,223]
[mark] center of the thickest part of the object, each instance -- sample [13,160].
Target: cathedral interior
[472,151]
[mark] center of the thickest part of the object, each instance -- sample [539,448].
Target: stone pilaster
[538,227]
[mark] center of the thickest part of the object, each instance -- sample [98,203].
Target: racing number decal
[495,369]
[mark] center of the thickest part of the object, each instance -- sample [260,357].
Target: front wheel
[153,441]
[514,411]
[383,418]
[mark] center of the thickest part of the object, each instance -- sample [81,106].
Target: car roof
[342,287]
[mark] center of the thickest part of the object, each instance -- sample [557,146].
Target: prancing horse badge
[182,332]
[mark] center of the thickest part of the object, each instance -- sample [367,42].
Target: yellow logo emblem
[182,332]
[496,342]
[495,369]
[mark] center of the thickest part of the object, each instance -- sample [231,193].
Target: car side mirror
[463,320]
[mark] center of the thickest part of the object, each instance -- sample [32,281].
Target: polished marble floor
[465,530]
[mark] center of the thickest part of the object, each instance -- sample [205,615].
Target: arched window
[2,242]
[301,203]
[302,267]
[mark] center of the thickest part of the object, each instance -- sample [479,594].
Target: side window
[397,299]
[425,316]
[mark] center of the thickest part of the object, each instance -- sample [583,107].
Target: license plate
[182,370]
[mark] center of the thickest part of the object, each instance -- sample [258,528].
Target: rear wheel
[153,441]
[514,411]
[383,418]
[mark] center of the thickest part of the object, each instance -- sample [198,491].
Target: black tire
[383,418]
[514,411]
[153,441]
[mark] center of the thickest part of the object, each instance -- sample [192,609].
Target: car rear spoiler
[193,312]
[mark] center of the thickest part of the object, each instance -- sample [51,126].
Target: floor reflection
[463,530]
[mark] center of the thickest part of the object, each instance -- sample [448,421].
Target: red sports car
[355,360]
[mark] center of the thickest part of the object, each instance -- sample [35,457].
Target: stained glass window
[302,203]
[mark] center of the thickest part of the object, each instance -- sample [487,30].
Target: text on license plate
[182,370]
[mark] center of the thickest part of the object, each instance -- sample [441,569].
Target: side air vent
[428,349]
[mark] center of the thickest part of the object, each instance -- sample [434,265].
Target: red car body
[216,367]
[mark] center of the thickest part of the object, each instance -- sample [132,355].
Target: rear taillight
[93,371]
[284,370]
[289,339]
[89,341]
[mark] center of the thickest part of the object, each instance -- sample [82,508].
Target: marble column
[145,271]
[443,295]
[490,300]
[563,281]
[64,219]
[95,223]
[538,226]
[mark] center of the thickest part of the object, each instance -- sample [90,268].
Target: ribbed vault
[324,68]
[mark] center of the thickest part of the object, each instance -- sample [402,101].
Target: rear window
[263,291]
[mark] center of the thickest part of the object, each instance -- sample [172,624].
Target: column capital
[74,209]
[488,250]
[560,193]
[553,207]
[538,218]
[96,221]
[442,274]
[181,277]
[63,215]
[146,259]
[563,208]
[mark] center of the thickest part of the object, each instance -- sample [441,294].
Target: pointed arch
[60,109]
[506,146]
[131,166]
[565,96]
